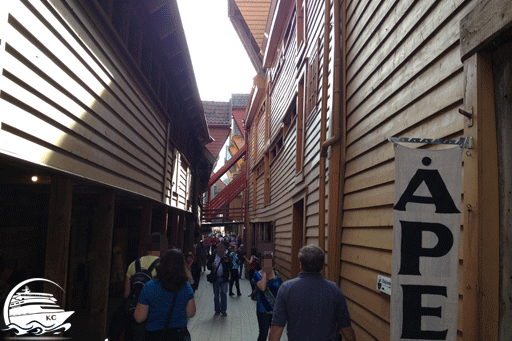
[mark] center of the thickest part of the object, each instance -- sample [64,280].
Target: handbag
[254,293]
[211,277]
[178,334]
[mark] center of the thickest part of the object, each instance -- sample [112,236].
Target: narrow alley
[240,324]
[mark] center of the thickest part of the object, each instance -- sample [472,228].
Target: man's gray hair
[311,258]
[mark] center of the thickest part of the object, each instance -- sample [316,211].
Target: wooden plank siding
[401,75]
[404,78]
[79,110]
[285,186]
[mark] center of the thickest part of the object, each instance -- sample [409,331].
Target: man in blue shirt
[312,306]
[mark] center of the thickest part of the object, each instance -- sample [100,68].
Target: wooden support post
[102,242]
[181,230]
[57,237]
[162,220]
[145,225]
[480,239]
[172,233]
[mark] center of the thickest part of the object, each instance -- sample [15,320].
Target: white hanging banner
[426,234]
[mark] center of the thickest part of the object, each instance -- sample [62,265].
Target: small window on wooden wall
[266,232]
[290,115]
[313,81]
[260,169]
[276,148]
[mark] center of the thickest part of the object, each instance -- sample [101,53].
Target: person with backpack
[220,267]
[140,271]
[268,282]
[166,302]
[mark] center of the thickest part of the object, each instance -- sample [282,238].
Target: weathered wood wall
[404,78]
[68,102]
[286,184]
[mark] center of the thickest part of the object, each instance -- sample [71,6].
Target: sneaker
[217,313]
[231,294]
[239,294]
[224,314]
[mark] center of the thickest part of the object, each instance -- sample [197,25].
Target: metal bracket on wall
[463,142]
[468,114]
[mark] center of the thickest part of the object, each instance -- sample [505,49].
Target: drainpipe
[323,128]
[336,98]
[247,232]
[337,167]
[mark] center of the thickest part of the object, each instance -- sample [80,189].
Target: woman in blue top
[268,282]
[156,299]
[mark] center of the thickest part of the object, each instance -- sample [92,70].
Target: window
[313,81]
[276,148]
[290,115]
[265,232]
[259,169]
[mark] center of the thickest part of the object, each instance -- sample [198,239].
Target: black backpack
[137,282]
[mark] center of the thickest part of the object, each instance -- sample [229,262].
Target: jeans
[234,279]
[241,267]
[220,289]
[264,321]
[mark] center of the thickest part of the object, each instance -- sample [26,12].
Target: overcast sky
[221,65]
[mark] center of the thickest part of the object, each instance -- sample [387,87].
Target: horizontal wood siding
[404,78]
[68,104]
[286,186]
[282,173]
[284,87]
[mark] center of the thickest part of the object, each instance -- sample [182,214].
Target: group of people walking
[312,307]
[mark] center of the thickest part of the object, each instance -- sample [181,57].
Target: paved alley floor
[241,323]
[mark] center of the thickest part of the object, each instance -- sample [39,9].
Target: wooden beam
[103,235]
[502,69]
[145,225]
[181,230]
[483,24]
[172,231]
[227,166]
[162,220]
[481,207]
[57,237]
[279,23]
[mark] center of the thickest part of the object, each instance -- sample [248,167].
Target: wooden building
[336,79]
[98,99]
[225,121]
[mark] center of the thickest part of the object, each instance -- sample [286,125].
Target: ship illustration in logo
[27,312]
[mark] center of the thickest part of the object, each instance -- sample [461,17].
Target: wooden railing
[221,201]
[225,215]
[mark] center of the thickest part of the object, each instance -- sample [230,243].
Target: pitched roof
[217,113]
[239,100]
[219,134]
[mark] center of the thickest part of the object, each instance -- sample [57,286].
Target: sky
[221,65]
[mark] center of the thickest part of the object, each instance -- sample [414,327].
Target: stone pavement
[241,323]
